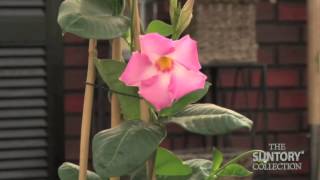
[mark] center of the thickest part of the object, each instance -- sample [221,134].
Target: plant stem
[144,108]
[236,159]
[115,106]
[87,111]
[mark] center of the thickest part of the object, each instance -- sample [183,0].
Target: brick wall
[281,34]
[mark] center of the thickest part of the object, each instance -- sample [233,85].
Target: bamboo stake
[144,109]
[115,106]
[87,111]
[314,83]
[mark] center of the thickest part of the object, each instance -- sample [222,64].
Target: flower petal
[186,53]
[154,45]
[155,90]
[184,81]
[138,69]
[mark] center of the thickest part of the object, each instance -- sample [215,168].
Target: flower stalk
[115,106]
[87,111]
[144,108]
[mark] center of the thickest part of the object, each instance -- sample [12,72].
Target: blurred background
[254,52]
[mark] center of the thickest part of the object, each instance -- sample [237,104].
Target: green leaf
[235,170]
[157,26]
[217,159]
[185,100]
[200,168]
[185,18]
[139,174]
[172,10]
[97,19]
[110,72]
[121,150]
[209,119]
[168,164]
[69,171]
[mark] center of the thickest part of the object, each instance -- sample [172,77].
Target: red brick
[195,141]
[75,56]
[267,33]
[266,55]
[247,99]
[292,54]
[292,99]
[229,77]
[283,121]
[166,143]
[265,11]
[294,142]
[72,126]
[179,143]
[74,79]
[292,12]
[72,147]
[174,128]
[283,77]
[73,103]
[242,142]
[70,38]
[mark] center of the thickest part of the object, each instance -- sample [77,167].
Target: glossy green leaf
[139,174]
[97,19]
[235,170]
[168,164]
[121,150]
[217,159]
[110,72]
[157,26]
[172,10]
[184,101]
[200,168]
[209,119]
[70,171]
[184,19]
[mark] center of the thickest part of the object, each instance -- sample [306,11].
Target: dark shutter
[30,90]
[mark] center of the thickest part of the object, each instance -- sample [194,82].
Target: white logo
[277,158]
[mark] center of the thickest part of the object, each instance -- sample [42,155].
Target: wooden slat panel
[23,113]
[22,93]
[22,62]
[17,73]
[20,154]
[23,174]
[23,164]
[22,123]
[22,103]
[22,26]
[21,52]
[29,133]
[23,144]
[32,82]
[21,3]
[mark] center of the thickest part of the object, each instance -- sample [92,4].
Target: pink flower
[164,70]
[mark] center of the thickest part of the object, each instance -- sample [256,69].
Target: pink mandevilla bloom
[164,70]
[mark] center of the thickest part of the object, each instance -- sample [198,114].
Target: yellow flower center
[164,64]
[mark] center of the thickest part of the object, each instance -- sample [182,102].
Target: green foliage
[97,19]
[217,159]
[235,170]
[157,26]
[168,164]
[209,119]
[69,171]
[180,17]
[184,101]
[201,168]
[121,150]
[110,72]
